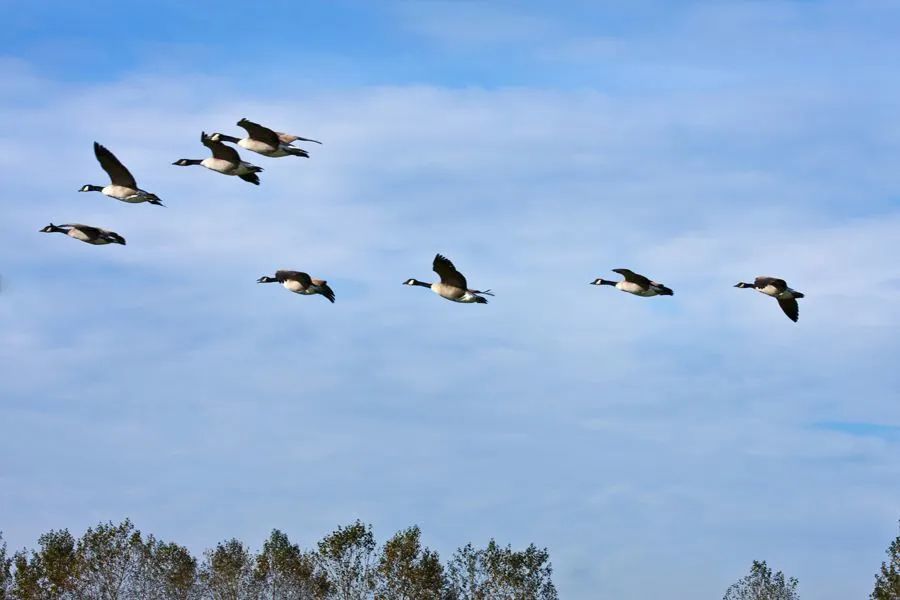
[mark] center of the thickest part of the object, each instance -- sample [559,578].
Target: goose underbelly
[257,146]
[296,287]
[120,192]
[771,290]
[220,166]
[633,288]
[450,292]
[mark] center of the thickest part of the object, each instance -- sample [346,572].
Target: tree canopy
[762,584]
[117,562]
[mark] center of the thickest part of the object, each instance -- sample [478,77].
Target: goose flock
[275,144]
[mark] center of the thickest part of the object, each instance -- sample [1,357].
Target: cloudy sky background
[664,442]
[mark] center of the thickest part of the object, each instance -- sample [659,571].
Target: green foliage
[347,557]
[227,572]
[116,562]
[762,584]
[109,559]
[284,571]
[407,571]
[51,573]
[887,582]
[170,572]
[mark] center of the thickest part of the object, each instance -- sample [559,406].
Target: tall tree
[762,584]
[497,572]
[406,571]
[887,582]
[347,557]
[227,572]
[284,572]
[111,559]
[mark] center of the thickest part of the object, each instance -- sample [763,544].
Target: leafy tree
[497,573]
[408,572]
[170,572]
[284,572]
[111,560]
[762,584]
[467,578]
[227,572]
[50,573]
[887,582]
[347,556]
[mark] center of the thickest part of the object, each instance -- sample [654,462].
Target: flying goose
[122,184]
[300,283]
[224,160]
[453,284]
[86,233]
[265,141]
[778,289]
[635,284]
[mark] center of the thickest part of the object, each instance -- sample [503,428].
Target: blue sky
[538,146]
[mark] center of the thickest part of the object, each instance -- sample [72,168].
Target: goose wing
[117,172]
[260,133]
[448,273]
[779,284]
[220,150]
[632,277]
[89,231]
[324,289]
[790,308]
[303,278]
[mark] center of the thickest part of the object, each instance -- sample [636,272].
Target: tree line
[117,562]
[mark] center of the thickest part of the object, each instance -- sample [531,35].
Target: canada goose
[122,184]
[265,141]
[453,284]
[778,289]
[635,284]
[224,160]
[86,233]
[300,283]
